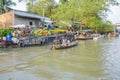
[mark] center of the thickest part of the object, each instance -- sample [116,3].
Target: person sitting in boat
[18,31]
[28,29]
[8,39]
[68,42]
[15,40]
[64,42]
[77,34]
[14,33]
[84,34]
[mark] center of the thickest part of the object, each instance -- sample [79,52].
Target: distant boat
[97,36]
[113,34]
[84,35]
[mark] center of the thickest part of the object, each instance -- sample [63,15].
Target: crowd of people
[18,33]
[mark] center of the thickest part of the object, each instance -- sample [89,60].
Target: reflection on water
[90,60]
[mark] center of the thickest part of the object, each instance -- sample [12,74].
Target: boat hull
[57,47]
[84,38]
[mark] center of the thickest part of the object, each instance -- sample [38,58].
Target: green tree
[37,6]
[4,5]
[44,5]
[91,13]
[88,12]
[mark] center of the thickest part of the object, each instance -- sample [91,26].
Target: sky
[22,5]
[19,5]
[113,15]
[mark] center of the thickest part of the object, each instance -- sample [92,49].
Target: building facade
[16,17]
[22,17]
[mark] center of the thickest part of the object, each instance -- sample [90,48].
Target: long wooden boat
[60,46]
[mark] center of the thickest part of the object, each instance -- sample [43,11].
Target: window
[30,23]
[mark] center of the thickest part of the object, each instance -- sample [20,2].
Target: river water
[90,60]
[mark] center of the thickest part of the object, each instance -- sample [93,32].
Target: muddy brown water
[90,60]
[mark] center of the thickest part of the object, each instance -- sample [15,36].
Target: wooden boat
[2,43]
[84,35]
[84,38]
[60,46]
[97,36]
[113,34]
[6,44]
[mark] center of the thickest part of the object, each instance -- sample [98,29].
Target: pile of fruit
[41,32]
[57,31]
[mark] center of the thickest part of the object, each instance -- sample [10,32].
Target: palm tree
[4,5]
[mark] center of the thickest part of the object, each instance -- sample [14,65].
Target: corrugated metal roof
[27,14]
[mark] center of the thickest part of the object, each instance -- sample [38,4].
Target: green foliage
[40,5]
[91,13]
[5,31]
[63,1]
[4,4]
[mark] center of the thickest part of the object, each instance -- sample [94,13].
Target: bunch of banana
[41,32]
[46,33]
[38,32]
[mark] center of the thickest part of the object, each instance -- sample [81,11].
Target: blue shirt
[9,38]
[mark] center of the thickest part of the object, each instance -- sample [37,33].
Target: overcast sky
[113,15]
